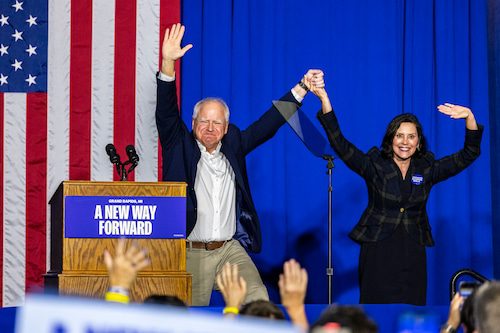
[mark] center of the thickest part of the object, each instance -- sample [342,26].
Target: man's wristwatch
[303,86]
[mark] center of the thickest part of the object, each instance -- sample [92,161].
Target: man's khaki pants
[204,265]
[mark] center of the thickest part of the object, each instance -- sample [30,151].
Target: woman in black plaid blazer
[394,229]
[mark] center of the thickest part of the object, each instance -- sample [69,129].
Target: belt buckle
[208,246]
[214,245]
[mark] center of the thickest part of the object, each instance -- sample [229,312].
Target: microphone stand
[329,270]
[318,146]
[123,174]
[122,170]
[119,167]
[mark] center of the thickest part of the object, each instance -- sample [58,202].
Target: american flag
[75,75]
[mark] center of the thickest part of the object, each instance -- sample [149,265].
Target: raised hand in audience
[123,268]
[233,288]
[293,287]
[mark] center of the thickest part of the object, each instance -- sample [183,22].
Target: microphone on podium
[133,160]
[113,155]
[132,155]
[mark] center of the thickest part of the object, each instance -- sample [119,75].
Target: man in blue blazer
[222,222]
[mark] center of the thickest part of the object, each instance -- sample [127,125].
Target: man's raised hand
[171,49]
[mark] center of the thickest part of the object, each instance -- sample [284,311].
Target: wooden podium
[77,266]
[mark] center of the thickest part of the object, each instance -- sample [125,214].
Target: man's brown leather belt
[207,246]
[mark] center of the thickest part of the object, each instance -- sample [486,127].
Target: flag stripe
[170,13]
[148,27]
[58,101]
[80,85]
[125,38]
[3,194]
[36,200]
[103,56]
[14,201]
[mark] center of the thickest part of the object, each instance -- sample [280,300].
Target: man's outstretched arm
[270,122]
[168,122]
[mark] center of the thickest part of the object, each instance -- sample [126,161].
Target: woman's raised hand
[459,112]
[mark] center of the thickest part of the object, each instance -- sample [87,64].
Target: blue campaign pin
[417,179]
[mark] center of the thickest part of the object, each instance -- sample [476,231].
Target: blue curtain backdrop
[494,84]
[380,58]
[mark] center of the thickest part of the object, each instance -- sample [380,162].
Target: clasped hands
[314,79]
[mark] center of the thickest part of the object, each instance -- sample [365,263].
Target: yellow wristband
[116,297]
[231,309]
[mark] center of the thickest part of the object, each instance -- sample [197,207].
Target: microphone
[132,155]
[113,156]
[133,158]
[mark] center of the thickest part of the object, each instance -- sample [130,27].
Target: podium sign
[130,217]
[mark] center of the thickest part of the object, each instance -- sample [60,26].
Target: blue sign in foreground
[131,217]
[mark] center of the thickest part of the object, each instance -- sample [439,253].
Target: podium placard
[130,217]
[76,263]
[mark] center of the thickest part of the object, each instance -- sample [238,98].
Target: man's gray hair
[198,106]
[487,308]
